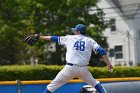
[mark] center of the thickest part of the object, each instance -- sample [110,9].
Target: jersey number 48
[79,45]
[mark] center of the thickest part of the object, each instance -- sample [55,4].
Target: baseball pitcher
[79,48]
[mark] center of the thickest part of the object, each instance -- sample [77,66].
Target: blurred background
[20,18]
[114,24]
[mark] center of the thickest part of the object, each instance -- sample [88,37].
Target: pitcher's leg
[100,88]
[62,77]
[46,91]
[88,78]
[96,84]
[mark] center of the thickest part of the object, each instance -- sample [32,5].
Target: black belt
[74,64]
[70,64]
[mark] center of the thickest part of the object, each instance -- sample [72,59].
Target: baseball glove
[32,39]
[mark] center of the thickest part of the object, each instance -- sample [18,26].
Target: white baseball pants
[70,72]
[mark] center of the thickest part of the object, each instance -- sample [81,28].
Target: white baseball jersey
[79,48]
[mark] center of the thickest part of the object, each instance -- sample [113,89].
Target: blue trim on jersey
[54,38]
[101,51]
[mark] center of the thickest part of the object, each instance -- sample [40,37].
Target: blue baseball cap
[80,27]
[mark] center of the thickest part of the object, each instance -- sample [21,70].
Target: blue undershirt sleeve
[101,51]
[55,38]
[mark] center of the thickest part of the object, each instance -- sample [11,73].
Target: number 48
[79,45]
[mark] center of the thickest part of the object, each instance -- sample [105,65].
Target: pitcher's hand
[110,68]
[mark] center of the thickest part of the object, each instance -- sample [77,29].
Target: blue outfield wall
[8,89]
[112,85]
[39,88]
